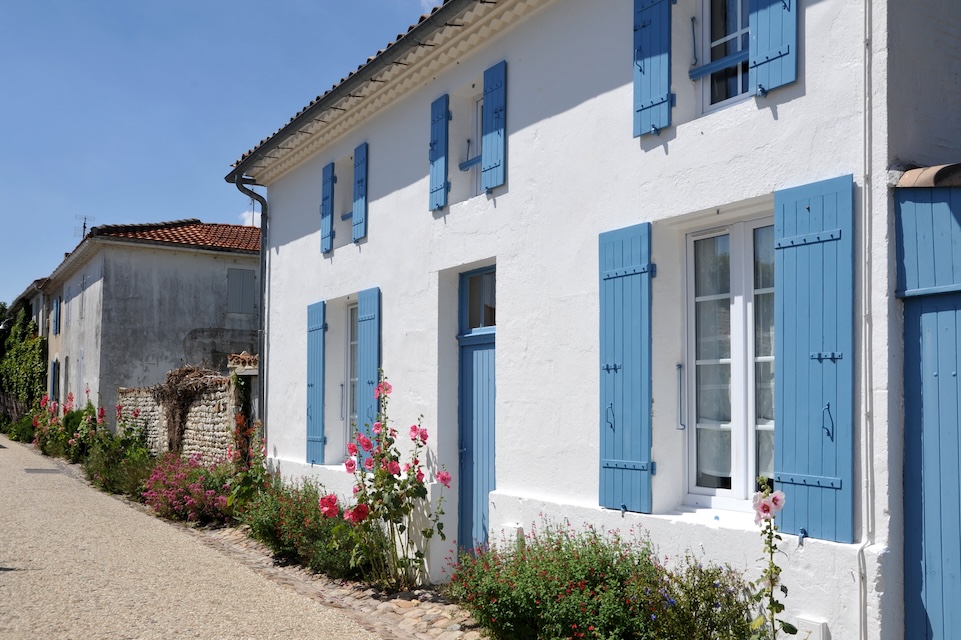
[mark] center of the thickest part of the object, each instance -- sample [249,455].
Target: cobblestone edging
[421,615]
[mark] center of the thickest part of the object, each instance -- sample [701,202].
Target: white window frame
[350,374]
[743,405]
[704,46]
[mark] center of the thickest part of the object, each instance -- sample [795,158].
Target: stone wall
[210,420]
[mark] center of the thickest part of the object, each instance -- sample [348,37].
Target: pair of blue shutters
[493,137]
[814,361]
[368,368]
[359,212]
[772,57]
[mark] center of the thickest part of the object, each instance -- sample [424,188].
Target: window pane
[713,329]
[714,458]
[764,258]
[713,393]
[764,392]
[481,297]
[763,324]
[765,453]
[712,266]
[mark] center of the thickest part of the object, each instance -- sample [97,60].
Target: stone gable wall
[210,420]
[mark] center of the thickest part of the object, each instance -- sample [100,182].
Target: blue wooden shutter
[327,209]
[773,54]
[368,357]
[56,316]
[493,127]
[814,357]
[439,125]
[53,376]
[316,328]
[652,66]
[359,215]
[625,335]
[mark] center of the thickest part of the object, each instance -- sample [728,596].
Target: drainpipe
[867,377]
[241,183]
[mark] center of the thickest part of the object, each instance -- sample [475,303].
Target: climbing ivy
[23,369]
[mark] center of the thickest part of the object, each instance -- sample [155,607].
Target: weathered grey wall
[163,309]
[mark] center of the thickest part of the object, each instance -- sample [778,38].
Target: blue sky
[132,112]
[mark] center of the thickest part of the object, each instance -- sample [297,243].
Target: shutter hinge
[324,327]
[324,439]
[611,367]
[653,468]
[653,270]
[833,356]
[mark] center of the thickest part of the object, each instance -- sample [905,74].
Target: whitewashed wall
[574,171]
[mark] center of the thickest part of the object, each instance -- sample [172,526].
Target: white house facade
[625,257]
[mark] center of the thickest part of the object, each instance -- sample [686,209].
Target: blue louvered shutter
[439,128]
[53,378]
[773,53]
[316,329]
[56,316]
[359,215]
[368,357]
[814,358]
[625,335]
[327,209]
[494,127]
[652,66]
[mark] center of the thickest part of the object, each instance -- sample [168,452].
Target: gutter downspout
[241,182]
[867,373]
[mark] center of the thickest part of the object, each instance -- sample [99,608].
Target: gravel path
[76,563]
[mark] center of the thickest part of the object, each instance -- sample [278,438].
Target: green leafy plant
[393,519]
[767,504]
[290,521]
[120,463]
[23,368]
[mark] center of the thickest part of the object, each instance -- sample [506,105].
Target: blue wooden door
[476,408]
[932,480]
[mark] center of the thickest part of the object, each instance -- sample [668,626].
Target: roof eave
[429,25]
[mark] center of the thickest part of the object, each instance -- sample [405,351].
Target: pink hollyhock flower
[763,508]
[135,414]
[443,477]
[365,442]
[420,475]
[351,465]
[328,506]
[414,431]
[360,513]
[352,448]
[777,499]
[423,435]
[101,415]
[393,467]
[369,464]
[119,411]
[356,489]
[376,428]
[406,467]
[44,400]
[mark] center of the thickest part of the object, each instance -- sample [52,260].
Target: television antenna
[81,232]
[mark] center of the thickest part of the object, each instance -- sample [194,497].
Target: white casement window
[730,360]
[726,36]
[351,389]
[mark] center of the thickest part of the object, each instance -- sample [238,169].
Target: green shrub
[558,583]
[698,602]
[564,583]
[120,463]
[22,430]
[288,519]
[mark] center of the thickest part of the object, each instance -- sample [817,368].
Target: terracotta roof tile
[190,232]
